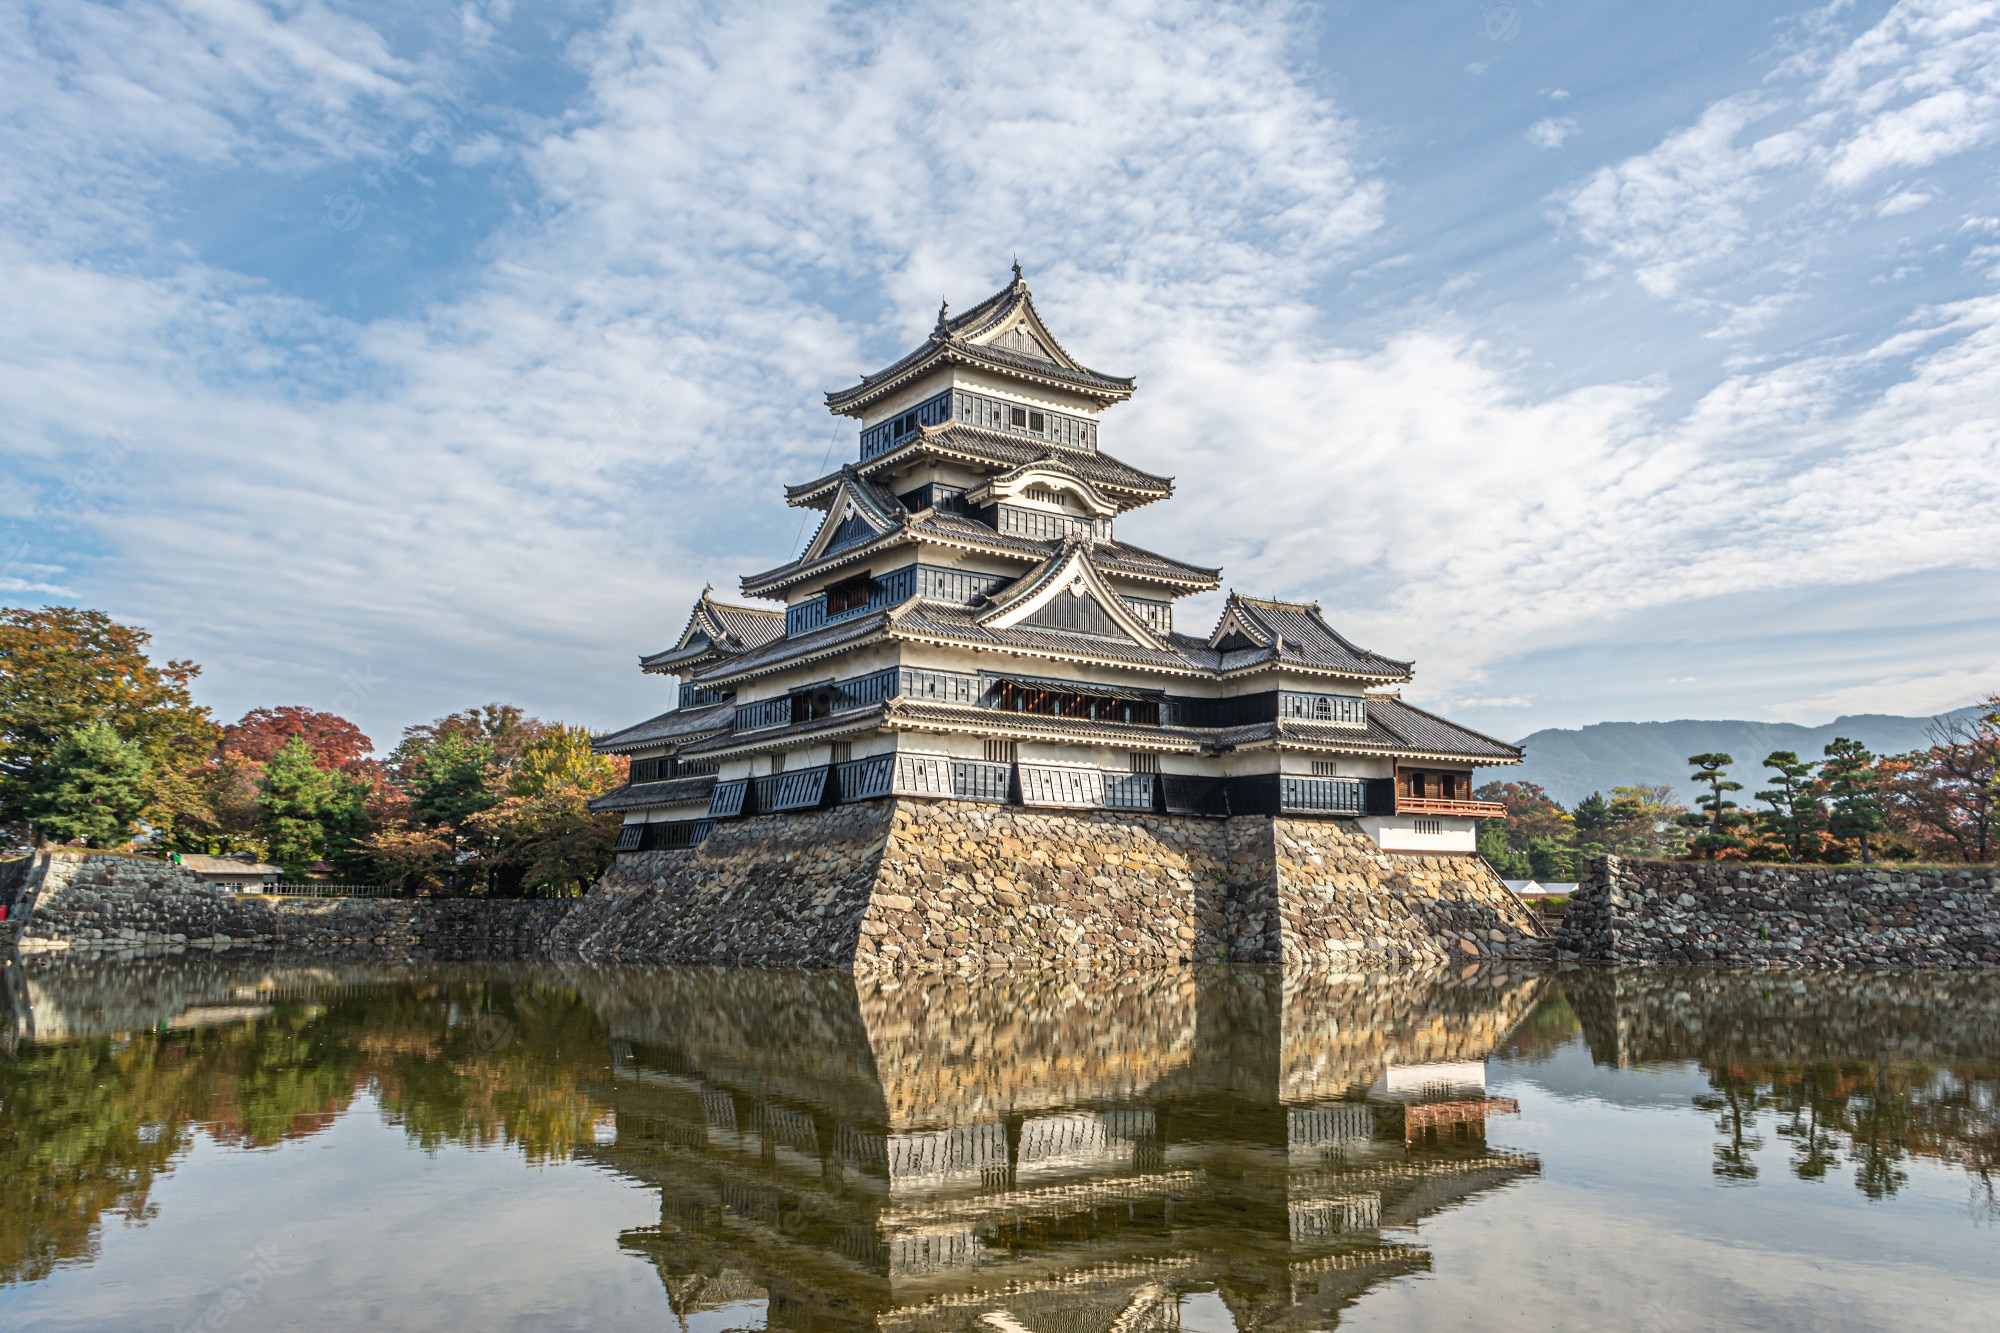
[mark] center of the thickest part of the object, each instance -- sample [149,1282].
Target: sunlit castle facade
[966,624]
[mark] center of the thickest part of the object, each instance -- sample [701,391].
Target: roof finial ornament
[943,307]
[1017,270]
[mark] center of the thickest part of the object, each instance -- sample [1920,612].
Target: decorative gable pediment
[852,518]
[1238,630]
[1070,594]
[1021,332]
[1049,475]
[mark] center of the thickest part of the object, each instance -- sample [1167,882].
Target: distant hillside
[1572,764]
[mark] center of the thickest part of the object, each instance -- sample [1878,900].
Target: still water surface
[214,1146]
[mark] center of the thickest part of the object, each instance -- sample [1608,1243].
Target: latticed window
[843,751]
[1325,768]
[1001,752]
[1145,763]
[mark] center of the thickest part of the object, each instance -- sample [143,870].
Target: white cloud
[1920,86]
[1551,131]
[1685,203]
[1901,202]
[513,490]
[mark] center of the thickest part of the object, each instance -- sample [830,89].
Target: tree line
[102,746]
[1933,804]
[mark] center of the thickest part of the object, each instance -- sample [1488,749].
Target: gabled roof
[1003,333]
[679,725]
[876,513]
[1069,572]
[1255,631]
[715,630]
[976,446]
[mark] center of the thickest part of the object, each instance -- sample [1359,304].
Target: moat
[235,1143]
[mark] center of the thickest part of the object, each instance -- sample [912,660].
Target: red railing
[1415,805]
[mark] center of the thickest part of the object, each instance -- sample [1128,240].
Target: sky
[1613,362]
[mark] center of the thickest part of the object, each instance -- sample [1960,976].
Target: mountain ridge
[1572,762]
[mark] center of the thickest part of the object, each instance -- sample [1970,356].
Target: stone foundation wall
[903,884]
[771,891]
[1628,910]
[107,905]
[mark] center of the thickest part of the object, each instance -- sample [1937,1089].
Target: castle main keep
[966,647]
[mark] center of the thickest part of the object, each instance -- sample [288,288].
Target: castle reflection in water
[1202,1149]
[1017,1153]
[996,1153]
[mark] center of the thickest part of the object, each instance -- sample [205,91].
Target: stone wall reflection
[1855,1074]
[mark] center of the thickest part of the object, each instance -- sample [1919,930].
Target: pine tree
[307,813]
[1595,819]
[1795,814]
[92,789]
[1717,815]
[1853,792]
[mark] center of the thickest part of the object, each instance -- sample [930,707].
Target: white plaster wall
[1398,833]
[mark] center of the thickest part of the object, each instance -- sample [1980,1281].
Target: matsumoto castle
[965,624]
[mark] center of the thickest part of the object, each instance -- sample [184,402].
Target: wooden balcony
[1412,805]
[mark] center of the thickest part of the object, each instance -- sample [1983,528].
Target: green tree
[90,791]
[1646,821]
[1506,862]
[1596,823]
[308,813]
[1853,793]
[1717,816]
[1551,859]
[543,837]
[63,669]
[1795,814]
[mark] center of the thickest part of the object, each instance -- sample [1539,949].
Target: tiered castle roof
[978,525]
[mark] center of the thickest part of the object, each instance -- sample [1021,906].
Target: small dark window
[847,595]
[1017,416]
[1036,422]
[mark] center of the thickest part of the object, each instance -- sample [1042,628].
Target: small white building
[230,871]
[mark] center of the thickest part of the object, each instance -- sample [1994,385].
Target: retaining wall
[1627,910]
[902,884]
[108,905]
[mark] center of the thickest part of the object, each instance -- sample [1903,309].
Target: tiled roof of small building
[1427,732]
[1293,634]
[646,795]
[680,724]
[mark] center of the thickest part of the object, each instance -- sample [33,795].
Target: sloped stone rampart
[114,906]
[1628,910]
[906,885]
[771,891]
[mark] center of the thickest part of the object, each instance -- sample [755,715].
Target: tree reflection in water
[905,1153]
